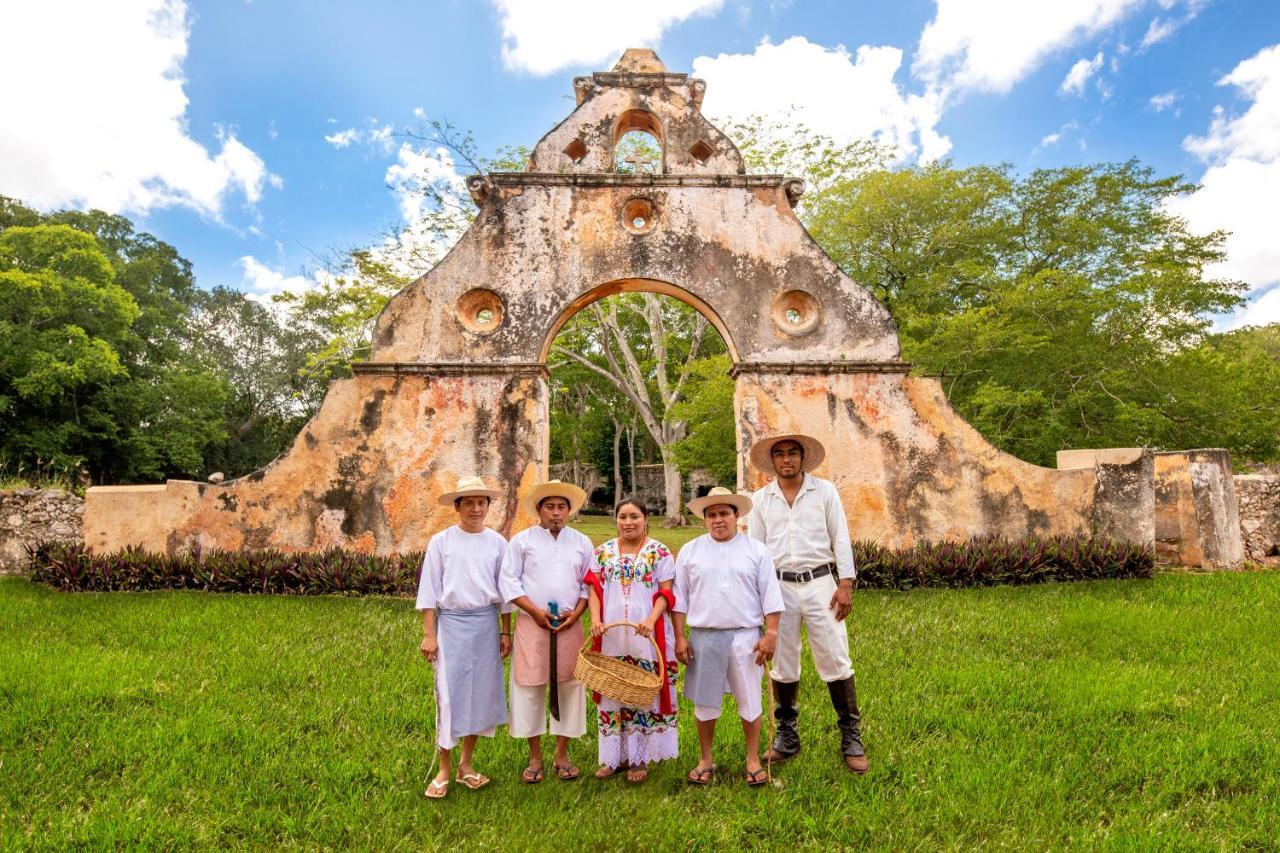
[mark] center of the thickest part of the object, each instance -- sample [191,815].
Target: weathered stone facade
[456,382]
[31,516]
[1258,496]
[1197,516]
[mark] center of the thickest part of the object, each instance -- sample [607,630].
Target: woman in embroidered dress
[631,582]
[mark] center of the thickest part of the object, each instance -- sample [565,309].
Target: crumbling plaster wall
[1197,514]
[909,469]
[365,473]
[737,252]
[455,381]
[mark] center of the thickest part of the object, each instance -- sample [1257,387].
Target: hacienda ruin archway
[456,383]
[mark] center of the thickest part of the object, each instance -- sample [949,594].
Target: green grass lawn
[1116,714]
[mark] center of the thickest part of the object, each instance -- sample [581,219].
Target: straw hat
[469,487]
[720,495]
[814,452]
[553,489]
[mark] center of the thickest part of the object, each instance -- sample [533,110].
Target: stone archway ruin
[456,382]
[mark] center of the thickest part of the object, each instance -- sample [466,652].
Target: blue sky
[258,136]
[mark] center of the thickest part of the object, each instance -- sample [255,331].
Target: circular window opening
[638,215]
[480,310]
[796,312]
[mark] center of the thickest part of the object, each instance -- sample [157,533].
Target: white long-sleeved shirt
[809,533]
[547,568]
[460,570]
[728,584]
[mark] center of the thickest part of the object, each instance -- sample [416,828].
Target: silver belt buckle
[805,576]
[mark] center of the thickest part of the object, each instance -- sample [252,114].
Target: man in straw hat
[727,592]
[460,602]
[801,520]
[542,574]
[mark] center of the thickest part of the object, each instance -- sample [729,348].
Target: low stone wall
[1259,499]
[31,516]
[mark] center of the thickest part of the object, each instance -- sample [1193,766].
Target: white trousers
[809,604]
[745,677]
[529,710]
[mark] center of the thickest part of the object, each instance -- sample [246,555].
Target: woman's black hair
[631,501]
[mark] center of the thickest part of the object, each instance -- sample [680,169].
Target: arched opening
[637,144]
[641,402]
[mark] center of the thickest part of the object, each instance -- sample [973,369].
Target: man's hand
[430,648]
[684,652]
[566,621]
[504,645]
[766,646]
[842,600]
[542,618]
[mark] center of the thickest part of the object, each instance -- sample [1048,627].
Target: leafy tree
[1055,307]
[644,346]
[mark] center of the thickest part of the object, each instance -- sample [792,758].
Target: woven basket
[621,681]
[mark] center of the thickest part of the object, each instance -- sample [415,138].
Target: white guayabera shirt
[726,584]
[460,571]
[547,568]
[811,532]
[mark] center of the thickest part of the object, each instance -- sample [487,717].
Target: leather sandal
[566,772]
[701,775]
[531,775]
[756,778]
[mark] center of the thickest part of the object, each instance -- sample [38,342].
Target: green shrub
[988,561]
[74,568]
[993,561]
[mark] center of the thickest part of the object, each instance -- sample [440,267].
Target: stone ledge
[819,368]
[449,368]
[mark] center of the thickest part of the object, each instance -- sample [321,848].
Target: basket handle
[657,653]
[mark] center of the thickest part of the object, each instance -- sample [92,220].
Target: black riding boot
[844,698]
[786,743]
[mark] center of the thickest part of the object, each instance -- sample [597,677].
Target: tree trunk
[671,487]
[631,454]
[617,462]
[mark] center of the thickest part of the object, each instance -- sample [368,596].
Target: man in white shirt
[460,603]
[801,520]
[542,575]
[727,593]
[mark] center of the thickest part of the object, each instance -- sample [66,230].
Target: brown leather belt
[808,574]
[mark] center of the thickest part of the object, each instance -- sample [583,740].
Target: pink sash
[531,655]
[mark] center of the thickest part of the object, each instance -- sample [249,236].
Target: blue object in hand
[554,610]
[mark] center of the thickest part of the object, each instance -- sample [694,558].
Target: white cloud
[1163,101]
[414,171]
[343,138]
[1161,28]
[99,118]
[377,136]
[1242,182]
[1051,139]
[260,282]
[1078,76]
[842,96]
[1157,31]
[544,36]
[989,45]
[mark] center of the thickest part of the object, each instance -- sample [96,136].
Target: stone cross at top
[640,163]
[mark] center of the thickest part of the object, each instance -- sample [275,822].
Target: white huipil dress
[635,736]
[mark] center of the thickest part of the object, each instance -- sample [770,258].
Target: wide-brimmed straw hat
[553,489]
[814,452]
[469,487]
[720,495]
